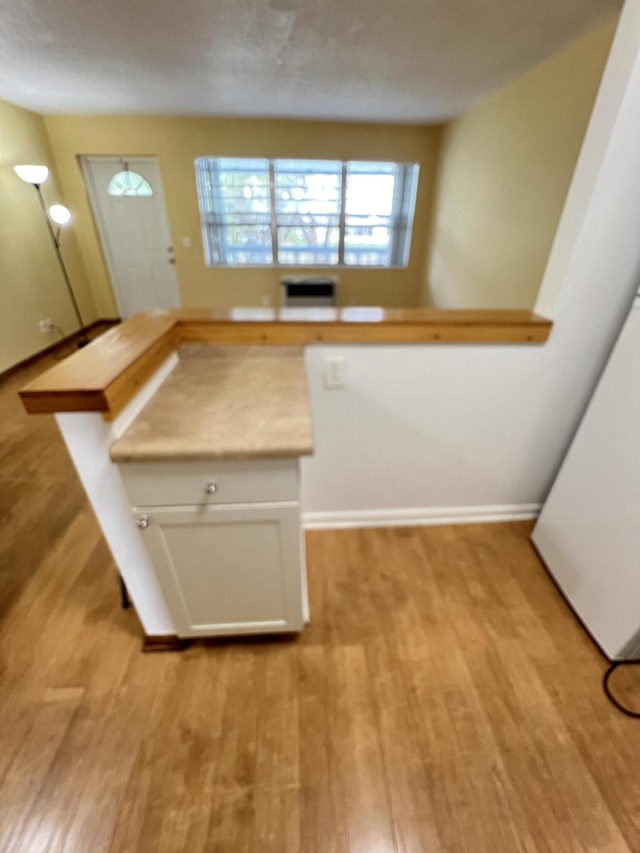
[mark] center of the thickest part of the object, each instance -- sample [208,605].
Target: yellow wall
[31,284]
[503,172]
[178,141]
[503,175]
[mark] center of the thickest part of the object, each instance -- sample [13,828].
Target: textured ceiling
[396,61]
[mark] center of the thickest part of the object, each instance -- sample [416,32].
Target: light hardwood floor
[443,699]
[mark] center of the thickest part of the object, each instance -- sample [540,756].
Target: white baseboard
[419,516]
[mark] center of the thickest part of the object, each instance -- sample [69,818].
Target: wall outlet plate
[334,374]
[45,325]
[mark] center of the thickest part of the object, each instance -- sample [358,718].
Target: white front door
[128,204]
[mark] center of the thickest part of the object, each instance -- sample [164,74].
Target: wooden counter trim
[55,390]
[132,378]
[299,334]
[105,375]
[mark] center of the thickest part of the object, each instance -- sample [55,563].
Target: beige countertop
[232,402]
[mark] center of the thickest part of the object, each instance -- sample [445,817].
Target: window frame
[402,221]
[144,183]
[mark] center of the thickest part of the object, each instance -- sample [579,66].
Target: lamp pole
[56,245]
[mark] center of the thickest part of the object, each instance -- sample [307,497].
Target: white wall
[88,438]
[436,430]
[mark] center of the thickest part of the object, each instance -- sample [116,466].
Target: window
[129,184]
[306,212]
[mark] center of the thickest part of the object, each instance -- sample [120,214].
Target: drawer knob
[142,522]
[211,488]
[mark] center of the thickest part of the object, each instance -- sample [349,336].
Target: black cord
[610,696]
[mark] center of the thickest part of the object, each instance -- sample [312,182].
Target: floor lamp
[60,215]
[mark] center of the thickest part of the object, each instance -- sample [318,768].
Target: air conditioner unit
[320,292]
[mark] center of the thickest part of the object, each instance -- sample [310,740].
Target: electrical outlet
[45,325]
[335,371]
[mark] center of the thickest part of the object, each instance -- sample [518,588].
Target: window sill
[302,269]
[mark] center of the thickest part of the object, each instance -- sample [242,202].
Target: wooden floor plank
[162,797]
[32,762]
[355,742]
[323,810]
[158,681]
[529,732]
[410,793]
[443,699]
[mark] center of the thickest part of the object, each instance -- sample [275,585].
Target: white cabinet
[225,542]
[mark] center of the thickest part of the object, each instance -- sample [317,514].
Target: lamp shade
[60,214]
[32,174]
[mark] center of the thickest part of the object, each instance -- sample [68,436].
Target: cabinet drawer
[181,483]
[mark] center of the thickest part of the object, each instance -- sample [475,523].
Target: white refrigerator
[588,533]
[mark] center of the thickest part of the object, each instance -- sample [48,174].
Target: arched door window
[129,183]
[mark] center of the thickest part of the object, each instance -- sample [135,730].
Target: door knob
[211,488]
[142,522]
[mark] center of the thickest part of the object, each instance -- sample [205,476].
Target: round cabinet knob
[211,488]
[142,522]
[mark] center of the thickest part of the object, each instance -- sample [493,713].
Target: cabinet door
[228,570]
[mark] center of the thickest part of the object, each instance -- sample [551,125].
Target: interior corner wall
[31,284]
[504,170]
[439,431]
[178,141]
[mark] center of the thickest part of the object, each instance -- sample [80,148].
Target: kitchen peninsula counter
[207,449]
